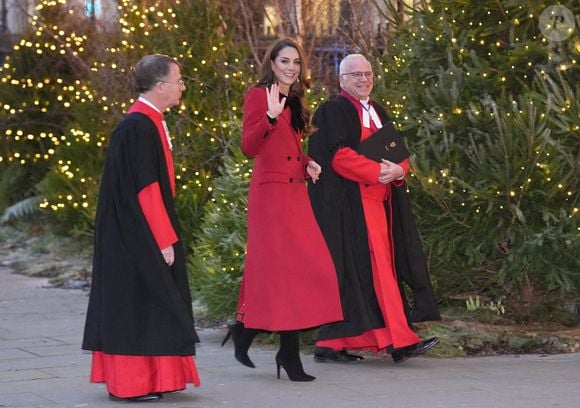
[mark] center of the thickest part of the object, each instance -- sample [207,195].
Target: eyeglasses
[359,74]
[179,82]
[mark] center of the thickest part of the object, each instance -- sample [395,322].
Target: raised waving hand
[275,105]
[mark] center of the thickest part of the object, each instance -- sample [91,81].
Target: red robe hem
[132,376]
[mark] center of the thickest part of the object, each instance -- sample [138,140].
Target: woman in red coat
[289,281]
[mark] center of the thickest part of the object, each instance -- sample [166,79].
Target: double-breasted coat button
[298,158]
[291,180]
[289,158]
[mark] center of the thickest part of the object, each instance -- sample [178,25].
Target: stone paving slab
[30,342]
[42,366]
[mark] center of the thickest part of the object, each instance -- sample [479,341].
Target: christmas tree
[489,105]
[57,135]
[220,245]
[42,83]
[197,34]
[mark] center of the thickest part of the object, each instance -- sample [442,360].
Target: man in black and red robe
[363,210]
[139,322]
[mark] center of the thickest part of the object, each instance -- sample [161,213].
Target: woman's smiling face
[286,67]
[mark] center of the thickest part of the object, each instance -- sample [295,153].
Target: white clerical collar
[165,128]
[369,113]
[146,102]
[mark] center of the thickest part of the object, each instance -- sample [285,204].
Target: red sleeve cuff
[405,165]
[155,213]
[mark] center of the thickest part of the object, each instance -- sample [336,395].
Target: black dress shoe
[172,391]
[141,398]
[401,354]
[328,355]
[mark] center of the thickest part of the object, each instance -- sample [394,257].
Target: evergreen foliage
[41,83]
[217,263]
[20,209]
[59,132]
[490,111]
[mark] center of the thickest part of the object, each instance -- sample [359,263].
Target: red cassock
[129,376]
[353,166]
[289,281]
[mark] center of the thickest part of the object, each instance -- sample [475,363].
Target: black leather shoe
[172,391]
[141,398]
[328,355]
[401,354]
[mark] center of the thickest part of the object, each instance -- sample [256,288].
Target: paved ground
[41,365]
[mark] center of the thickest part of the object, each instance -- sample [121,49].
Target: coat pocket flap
[274,177]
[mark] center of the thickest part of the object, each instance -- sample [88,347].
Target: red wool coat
[289,280]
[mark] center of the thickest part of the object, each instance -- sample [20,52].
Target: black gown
[337,205]
[138,305]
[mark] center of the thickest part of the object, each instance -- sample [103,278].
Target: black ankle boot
[289,357]
[242,339]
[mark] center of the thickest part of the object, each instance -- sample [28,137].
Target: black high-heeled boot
[242,339]
[289,357]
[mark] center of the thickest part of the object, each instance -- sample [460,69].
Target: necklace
[366,107]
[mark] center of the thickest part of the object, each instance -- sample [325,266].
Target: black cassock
[337,205]
[138,305]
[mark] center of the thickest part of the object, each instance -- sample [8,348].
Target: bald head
[344,66]
[356,76]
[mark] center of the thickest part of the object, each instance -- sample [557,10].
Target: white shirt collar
[369,113]
[165,128]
